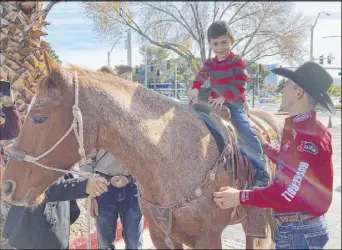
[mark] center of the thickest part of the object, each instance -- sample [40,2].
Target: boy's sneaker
[261,179]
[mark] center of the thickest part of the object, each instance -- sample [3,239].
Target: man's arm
[11,127]
[303,186]
[64,190]
[202,75]
[237,85]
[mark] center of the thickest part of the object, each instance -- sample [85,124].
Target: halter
[21,156]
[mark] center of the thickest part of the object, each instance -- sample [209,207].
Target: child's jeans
[248,140]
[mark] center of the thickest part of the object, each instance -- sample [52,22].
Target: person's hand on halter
[217,102]
[96,187]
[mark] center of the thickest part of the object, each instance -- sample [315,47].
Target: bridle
[21,156]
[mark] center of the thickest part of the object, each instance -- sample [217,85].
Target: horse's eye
[39,119]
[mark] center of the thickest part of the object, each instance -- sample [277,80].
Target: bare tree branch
[237,12]
[224,11]
[263,28]
[186,25]
[48,8]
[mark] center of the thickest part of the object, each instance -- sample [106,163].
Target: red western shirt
[304,174]
[227,77]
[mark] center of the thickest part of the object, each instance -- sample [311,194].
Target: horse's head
[49,117]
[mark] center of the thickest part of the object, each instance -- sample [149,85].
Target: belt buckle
[119,181]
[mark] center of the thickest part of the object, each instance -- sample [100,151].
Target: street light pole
[145,63]
[108,53]
[312,34]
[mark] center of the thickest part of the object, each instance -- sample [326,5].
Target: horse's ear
[50,64]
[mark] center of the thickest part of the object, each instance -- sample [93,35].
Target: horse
[164,145]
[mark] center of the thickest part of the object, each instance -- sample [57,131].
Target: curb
[81,241]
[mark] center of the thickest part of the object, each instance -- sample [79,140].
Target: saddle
[217,121]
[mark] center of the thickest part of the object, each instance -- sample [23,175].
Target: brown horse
[163,144]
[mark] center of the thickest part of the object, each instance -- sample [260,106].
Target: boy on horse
[301,192]
[228,80]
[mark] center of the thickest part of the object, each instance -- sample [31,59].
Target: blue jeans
[307,234]
[121,202]
[248,140]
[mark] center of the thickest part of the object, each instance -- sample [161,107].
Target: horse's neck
[163,144]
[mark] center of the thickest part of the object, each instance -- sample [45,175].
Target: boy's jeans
[121,202]
[248,140]
[307,234]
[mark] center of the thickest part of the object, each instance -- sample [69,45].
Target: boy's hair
[219,28]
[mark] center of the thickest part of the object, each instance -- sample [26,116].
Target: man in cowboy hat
[301,192]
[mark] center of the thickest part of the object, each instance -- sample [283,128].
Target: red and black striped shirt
[228,78]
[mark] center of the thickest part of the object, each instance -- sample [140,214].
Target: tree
[262,29]
[253,69]
[281,85]
[334,90]
[21,56]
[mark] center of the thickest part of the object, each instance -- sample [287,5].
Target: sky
[72,36]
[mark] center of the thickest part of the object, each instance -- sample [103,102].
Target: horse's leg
[158,239]
[207,240]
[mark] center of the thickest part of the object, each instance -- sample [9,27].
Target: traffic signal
[321,60]
[329,58]
[168,66]
[158,72]
[151,66]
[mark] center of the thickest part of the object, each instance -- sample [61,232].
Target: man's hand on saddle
[192,96]
[96,187]
[217,102]
[227,197]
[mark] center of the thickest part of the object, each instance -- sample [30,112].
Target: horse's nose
[8,187]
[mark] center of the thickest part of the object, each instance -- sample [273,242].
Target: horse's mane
[86,77]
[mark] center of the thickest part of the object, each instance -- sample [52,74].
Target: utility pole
[109,52]
[254,79]
[176,90]
[312,34]
[129,50]
[145,62]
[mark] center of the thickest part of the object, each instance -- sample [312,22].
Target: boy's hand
[214,103]
[96,187]
[192,95]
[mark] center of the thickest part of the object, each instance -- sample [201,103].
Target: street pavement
[233,236]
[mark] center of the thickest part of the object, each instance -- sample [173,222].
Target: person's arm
[305,186]
[64,190]
[75,188]
[237,85]
[202,75]
[10,128]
